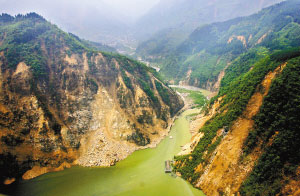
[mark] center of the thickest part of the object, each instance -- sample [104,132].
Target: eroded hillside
[63,103]
[247,143]
[248,135]
[209,50]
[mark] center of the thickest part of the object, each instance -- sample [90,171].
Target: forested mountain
[250,138]
[62,102]
[68,101]
[93,21]
[171,21]
[98,21]
[200,59]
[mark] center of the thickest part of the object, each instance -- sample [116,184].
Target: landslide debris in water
[64,103]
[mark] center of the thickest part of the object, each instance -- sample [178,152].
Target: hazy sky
[135,8]
[130,8]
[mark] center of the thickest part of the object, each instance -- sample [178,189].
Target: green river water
[141,174]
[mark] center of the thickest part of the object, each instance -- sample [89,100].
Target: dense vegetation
[250,47]
[277,124]
[170,22]
[23,37]
[235,101]
[277,128]
[211,48]
[24,34]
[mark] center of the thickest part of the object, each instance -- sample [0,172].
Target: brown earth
[293,186]
[81,113]
[226,171]
[238,37]
[262,38]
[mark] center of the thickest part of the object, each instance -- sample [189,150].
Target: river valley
[142,173]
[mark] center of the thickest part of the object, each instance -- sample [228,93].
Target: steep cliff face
[226,171]
[248,136]
[62,103]
[248,139]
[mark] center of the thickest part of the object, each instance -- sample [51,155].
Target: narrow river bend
[141,174]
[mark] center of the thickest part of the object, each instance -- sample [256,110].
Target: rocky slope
[248,143]
[225,162]
[63,103]
[248,136]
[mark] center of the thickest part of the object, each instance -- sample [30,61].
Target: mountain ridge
[183,17]
[64,103]
[244,145]
[211,48]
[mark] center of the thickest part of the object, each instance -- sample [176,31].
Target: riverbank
[104,151]
[142,173]
[197,119]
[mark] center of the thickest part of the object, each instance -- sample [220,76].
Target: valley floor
[142,173]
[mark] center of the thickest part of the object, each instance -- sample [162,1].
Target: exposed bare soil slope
[62,103]
[226,172]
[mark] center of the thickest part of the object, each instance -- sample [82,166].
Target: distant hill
[200,59]
[171,21]
[94,45]
[192,13]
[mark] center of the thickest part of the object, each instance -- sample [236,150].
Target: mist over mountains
[165,27]
[190,14]
[113,22]
[93,20]
[217,80]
